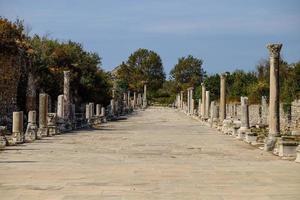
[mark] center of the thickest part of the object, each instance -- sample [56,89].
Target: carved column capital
[274,50]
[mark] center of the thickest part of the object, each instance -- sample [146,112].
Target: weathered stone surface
[180,159]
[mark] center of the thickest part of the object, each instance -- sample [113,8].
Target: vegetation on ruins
[46,59]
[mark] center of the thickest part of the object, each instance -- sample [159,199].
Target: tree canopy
[188,72]
[142,66]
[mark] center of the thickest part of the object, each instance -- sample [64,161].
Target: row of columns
[274,120]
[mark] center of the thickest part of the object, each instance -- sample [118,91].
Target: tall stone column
[128,99]
[67,100]
[199,107]
[145,96]
[191,101]
[139,99]
[203,105]
[43,112]
[112,107]
[17,128]
[88,112]
[31,130]
[31,93]
[98,110]
[244,114]
[134,100]
[274,121]
[188,101]
[60,106]
[212,114]
[222,97]
[207,104]
[181,99]
[103,111]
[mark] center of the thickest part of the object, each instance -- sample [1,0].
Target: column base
[31,133]
[42,132]
[270,142]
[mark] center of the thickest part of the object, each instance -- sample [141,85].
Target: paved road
[154,154]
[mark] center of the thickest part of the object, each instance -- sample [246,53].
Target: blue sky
[226,34]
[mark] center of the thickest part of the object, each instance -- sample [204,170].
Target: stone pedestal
[31,130]
[2,137]
[286,147]
[251,138]
[274,120]
[51,122]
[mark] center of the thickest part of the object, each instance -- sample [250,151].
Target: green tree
[187,72]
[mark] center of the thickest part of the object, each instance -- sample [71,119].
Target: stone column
[125,99]
[222,97]
[199,107]
[128,99]
[51,123]
[92,109]
[264,110]
[188,101]
[181,99]
[31,130]
[191,101]
[17,128]
[134,99]
[212,114]
[87,112]
[60,106]
[244,114]
[207,104]
[98,109]
[67,100]
[31,92]
[43,110]
[203,105]
[274,120]
[145,96]
[112,106]
[103,111]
